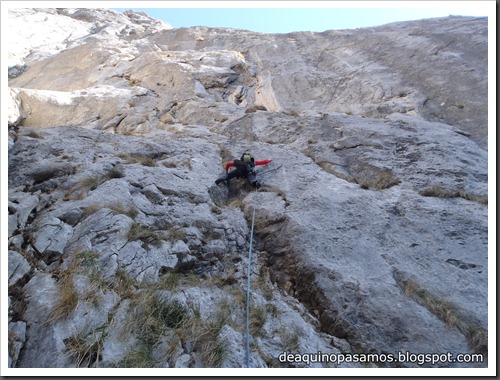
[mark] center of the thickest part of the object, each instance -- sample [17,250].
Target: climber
[244,168]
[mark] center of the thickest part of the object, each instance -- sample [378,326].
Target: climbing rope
[248,277]
[260,174]
[255,199]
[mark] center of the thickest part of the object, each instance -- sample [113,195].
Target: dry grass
[281,193]
[255,108]
[124,285]
[170,281]
[477,337]
[238,295]
[264,286]
[438,191]
[67,299]
[86,349]
[329,168]
[138,159]
[141,356]
[177,233]
[146,235]
[382,180]
[115,172]
[92,209]
[290,340]
[236,203]
[35,135]
[258,317]
[205,334]
[91,182]
[292,113]
[225,155]
[118,208]
[86,259]
[12,338]
[442,192]
[152,318]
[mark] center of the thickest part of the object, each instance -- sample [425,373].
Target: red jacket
[260,162]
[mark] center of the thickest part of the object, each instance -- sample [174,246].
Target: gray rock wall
[371,232]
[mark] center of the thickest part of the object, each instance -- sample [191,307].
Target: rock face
[371,228]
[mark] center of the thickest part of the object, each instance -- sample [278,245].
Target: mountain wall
[371,230]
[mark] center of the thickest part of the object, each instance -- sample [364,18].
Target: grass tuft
[146,235]
[86,349]
[177,233]
[67,299]
[115,172]
[35,135]
[141,356]
[129,211]
[138,159]
[258,316]
[477,337]
[381,180]
[442,192]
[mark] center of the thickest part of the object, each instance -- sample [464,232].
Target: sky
[294,16]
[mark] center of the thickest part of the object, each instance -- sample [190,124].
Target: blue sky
[314,16]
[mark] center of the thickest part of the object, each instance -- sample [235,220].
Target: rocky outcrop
[371,228]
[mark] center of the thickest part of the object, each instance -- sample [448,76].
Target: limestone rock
[18,267]
[371,225]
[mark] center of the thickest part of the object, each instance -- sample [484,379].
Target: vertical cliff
[371,229]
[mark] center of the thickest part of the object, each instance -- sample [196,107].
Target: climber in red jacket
[244,168]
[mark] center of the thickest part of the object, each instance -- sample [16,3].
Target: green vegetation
[141,356]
